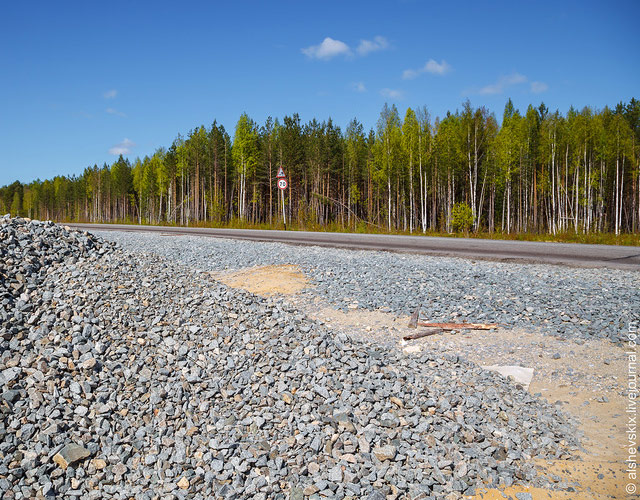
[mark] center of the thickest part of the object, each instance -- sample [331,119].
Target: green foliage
[462,217]
[16,205]
[536,172]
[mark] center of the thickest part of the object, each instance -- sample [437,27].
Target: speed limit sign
[282,183]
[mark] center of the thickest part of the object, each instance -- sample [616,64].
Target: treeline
[536,172]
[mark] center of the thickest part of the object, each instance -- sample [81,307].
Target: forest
[533,172]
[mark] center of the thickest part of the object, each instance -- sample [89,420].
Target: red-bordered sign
[282,183]
[280,173]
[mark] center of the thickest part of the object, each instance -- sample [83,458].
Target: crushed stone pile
[124,375]
[27,249]
[564,302]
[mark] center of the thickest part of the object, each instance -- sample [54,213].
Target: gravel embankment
[127,375]
[562,301]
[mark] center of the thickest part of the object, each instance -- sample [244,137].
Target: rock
[99,464]
[396,401]
[296,494]
[524,496]
[183,483]
[48,490]
[412,349]
[363,444]
[335,474]
[376,495]
[343,421]
[520,374]
[70,454]
[389,420]
[310,490]
[9,375]
[387,452]
[119,469]
[11,396]
[89,363]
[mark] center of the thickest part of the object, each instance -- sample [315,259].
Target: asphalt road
[569,254]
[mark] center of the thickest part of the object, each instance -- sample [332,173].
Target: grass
[626,239]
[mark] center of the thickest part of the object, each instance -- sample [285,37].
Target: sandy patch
[267,280]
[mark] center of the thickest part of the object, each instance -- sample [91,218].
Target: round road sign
[282,183]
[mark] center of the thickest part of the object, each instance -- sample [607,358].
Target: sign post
[282,185]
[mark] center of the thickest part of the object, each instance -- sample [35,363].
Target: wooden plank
[423,333]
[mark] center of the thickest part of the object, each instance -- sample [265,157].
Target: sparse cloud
[539,87]
[115,112]
[124,148]
[392,93]
[359,87]
[435,68]
[503,83]
[410,74]
[110,94]
[367,46]
[431,66]
[328,49]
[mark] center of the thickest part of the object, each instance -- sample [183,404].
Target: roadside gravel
[562,301]
[129,375]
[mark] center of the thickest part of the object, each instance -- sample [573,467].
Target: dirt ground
[266,281]
[585,379]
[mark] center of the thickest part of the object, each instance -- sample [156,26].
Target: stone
[296,494]
[335,474]
[310,490]
[363,445]
[89,364]
[119,469]
[521,375]
[396,401]
[376,495]
[387,452]
[524,496]
[70,454]
[389,420]
[98,463]
[183,483]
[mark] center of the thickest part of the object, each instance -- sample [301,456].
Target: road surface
[570,254]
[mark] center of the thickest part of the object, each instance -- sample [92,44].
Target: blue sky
[82,82]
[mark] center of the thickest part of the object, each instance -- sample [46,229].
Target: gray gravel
[127,375]
[561,301]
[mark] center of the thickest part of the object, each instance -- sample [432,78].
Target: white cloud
[366,46]
[124,148]
[391,94]
[112,111]
[436,68]
[431,66]
[359,87]
[409,74]
[538,87]
[110,94]
[502,84]
[328,49]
